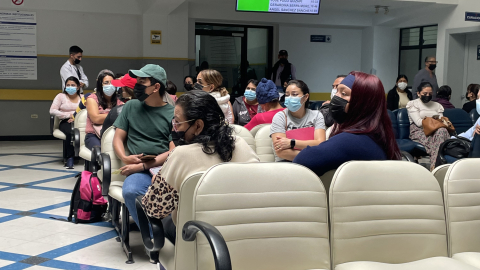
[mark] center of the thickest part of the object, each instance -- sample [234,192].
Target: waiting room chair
[246,135]
[256,129]
[439,173]
[328,133]
[387,215]
[462,204]
[474,116]
[460,119]
[263,143]
[57,133]
[316,105]
[79,138]
[271,216]
[402,132]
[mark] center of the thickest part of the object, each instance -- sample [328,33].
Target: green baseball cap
[150,71]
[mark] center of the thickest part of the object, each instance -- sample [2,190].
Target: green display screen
[280,6]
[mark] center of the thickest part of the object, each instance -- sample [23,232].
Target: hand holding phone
[147,157]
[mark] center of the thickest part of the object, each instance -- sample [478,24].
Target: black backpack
[458,148]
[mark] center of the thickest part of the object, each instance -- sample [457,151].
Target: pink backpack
[87,204]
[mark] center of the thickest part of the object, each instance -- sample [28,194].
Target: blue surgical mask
[250,95]
[109,90]
[71,90]
[293,104]
[478,106]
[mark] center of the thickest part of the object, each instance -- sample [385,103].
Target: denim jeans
[135,184]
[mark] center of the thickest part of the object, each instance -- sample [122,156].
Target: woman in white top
[63,107]
[418,110]
[211,81]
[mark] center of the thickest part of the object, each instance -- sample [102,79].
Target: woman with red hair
[362,130]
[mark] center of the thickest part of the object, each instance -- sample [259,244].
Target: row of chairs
[377,215]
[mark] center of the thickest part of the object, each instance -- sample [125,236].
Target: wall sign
[321,38]
[472,16]
[18,45]
[156,37]
[478,52]
[17,2]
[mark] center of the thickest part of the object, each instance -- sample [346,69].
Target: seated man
[145,124]
[325,109]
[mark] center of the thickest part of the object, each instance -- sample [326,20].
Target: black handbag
[458,148]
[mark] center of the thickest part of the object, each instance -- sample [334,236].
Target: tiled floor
[34,187]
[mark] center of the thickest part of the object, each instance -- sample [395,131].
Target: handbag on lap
[432,124]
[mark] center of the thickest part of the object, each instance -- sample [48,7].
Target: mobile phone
[147,157]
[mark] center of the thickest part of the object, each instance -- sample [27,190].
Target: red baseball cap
[125,81]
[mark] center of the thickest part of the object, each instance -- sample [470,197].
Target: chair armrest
[95,158]
[106,164]
[219,247]
[407,156]
[52,122]
[145,223]
[76,141]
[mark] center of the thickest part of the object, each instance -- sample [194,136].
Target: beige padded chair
[439,173]
[328,132]
[246,135]
[79,131]
[263,142]
[387,215]
[272,216]
[256,129]
[462,205]
[56,132]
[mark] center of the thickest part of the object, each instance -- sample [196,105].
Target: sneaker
[70,163]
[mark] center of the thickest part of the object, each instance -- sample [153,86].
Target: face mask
[139,92]
[337,109]
[197,86]
[334,92]
[478,106]
[77,61]
[71,90]
[426,99]
[402,86]
[293,104]
[179,137]
[188,87]
[250,95]
[283,61]
[432,67]
[109,90]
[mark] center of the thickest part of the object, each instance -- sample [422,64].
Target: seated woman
[205,140]
[472,95]
[267,96]
[418,110]
[188,83]
[246,106]
[297,117]
[171,89]
[362,130]
[399,96]
[98,105]
[444,94]
[63,107]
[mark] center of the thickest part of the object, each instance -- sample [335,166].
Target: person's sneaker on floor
[70,163]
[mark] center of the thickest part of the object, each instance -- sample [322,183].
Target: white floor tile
[53,146]
[25,199]
[37,267]
[5,263]
[68,183]
[21,160]
[63,238]
[62,211]
[9,242]
[29,234]
[32,248]
[22,176]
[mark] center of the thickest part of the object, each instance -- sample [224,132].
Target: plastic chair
[439,173]
[474,116]
[387,215]
[403,133]
[263,143]
[460,119]
[79,138]
[256,129]
[246,135]
[57,133]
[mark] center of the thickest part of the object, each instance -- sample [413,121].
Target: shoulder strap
[72,200]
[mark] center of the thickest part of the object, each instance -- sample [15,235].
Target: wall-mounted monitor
[280,6]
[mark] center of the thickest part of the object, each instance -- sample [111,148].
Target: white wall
[385,61]
[318,64]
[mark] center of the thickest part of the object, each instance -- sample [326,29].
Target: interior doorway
[238,52]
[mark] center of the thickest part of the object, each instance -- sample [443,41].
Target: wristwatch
[292,143]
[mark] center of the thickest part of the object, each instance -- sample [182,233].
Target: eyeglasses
[175,124]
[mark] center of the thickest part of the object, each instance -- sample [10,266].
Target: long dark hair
[367,114]
[198,104]
[101,100]
[76,81]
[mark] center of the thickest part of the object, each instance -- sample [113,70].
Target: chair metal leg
[125,234]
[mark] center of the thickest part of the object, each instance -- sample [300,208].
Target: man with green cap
[145,124]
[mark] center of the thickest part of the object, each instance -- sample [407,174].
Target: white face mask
[402,85]
[334,92]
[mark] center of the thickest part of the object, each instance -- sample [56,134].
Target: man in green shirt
[145,124]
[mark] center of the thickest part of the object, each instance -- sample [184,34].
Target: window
[416,43]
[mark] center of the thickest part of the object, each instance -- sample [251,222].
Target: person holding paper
[72,68]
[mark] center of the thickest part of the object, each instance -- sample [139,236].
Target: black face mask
[197,86]
[178,137]
[426,99]
[77,61]
[337,109]
[283,61]
[432,67]
[188,87]
[139,92]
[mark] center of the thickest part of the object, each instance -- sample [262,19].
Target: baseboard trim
[28,138]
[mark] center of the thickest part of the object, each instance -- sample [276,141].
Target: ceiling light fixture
[377,8]
[386,8]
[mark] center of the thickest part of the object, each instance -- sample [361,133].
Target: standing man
[426,75]
[283,71]
[72,68]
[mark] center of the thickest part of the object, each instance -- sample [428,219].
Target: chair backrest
[474,116]
[263,143]
[439,173]
[475,147]
[385,211]
[80,124]
[256,129]
[327,179]
[403,123]
[56,132]
[462,204]
[328,132]
[107,147]
[394,120]
[56,122]
[272,216]
[246,135]
[316,105]
[460,119]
